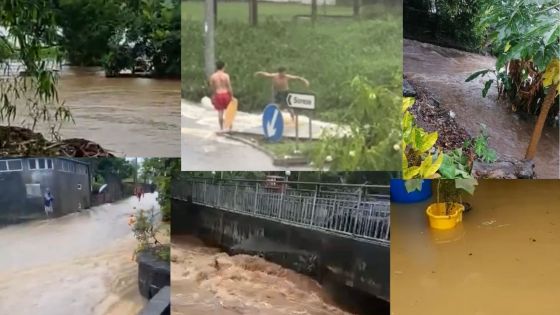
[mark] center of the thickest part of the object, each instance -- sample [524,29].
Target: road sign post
[301,101]
[273,123]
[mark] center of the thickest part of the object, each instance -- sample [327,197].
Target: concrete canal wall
[328,257]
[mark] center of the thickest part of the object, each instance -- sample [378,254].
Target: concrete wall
[21,192]
[356,264]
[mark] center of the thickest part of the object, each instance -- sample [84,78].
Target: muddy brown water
[205,280]
[504,257]
[129,116]
[81,263]
[444,70]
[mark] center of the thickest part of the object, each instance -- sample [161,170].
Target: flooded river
[207,281]
[444,70]
[504,257]
[129,116]
[77,264]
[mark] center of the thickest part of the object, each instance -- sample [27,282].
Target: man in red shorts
[222,92]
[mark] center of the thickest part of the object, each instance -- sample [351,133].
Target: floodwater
[504,257]
[81,263]
[128,116]
[203,150]
[444,71]
[207,281]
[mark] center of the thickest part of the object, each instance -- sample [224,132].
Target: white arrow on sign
[303,101]
[270,129]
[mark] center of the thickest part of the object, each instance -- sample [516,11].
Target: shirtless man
[222,92]
[280,86]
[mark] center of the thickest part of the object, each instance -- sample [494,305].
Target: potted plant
[420,160]
[449,207]
[152,255]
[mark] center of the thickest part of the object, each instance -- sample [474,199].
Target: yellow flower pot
[441,221]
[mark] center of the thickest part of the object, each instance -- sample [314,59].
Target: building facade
[24,181]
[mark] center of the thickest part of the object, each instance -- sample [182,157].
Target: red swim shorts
[221,100]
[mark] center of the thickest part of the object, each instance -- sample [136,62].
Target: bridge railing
[353,210]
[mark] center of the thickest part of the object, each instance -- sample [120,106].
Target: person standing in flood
[48,198]
[222,93]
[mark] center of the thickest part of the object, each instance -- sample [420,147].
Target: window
[40,164]
[33,190]
[10,165]
[79,186]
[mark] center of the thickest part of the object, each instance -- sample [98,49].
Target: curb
[275,161]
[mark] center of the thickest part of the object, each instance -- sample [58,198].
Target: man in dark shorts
[280,86]
[222,92]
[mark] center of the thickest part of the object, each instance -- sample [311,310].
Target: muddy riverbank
[444,71]
[502,259]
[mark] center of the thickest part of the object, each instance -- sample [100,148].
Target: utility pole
[357,8]
[253,12]
[209,47]
[313,11]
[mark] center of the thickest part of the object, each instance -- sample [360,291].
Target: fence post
[314,205]
[357,211]
[281,203]
[235,196]
[204,194]
[256,195]
[218,204]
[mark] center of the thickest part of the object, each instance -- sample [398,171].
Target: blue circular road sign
[273,123]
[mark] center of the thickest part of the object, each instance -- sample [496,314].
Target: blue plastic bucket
[400,195]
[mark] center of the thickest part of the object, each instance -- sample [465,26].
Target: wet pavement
[81,263]
[502,259]
[207,281]
[204,150]
[128,116]
[444,70]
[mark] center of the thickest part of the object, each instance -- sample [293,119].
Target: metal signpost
[273,123]
[301,101]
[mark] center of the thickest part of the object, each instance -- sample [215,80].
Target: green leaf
[487,86]
[428,141]
[477,74]
[447,168]
[466,184]
[413,184]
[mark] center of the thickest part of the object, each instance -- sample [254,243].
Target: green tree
[31,26]
[114,166]
[525,35]
[162,170]
[370,137]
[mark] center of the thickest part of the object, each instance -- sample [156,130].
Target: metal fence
[359,211]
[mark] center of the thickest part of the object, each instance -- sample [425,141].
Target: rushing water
[444,70]
[129,116]
[504,257]
[207,281]
[78,264]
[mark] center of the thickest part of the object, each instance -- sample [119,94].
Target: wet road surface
[502,259]
[77,264]
[203,150]
[444,70]
[207,281]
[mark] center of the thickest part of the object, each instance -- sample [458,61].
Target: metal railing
[360,211]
